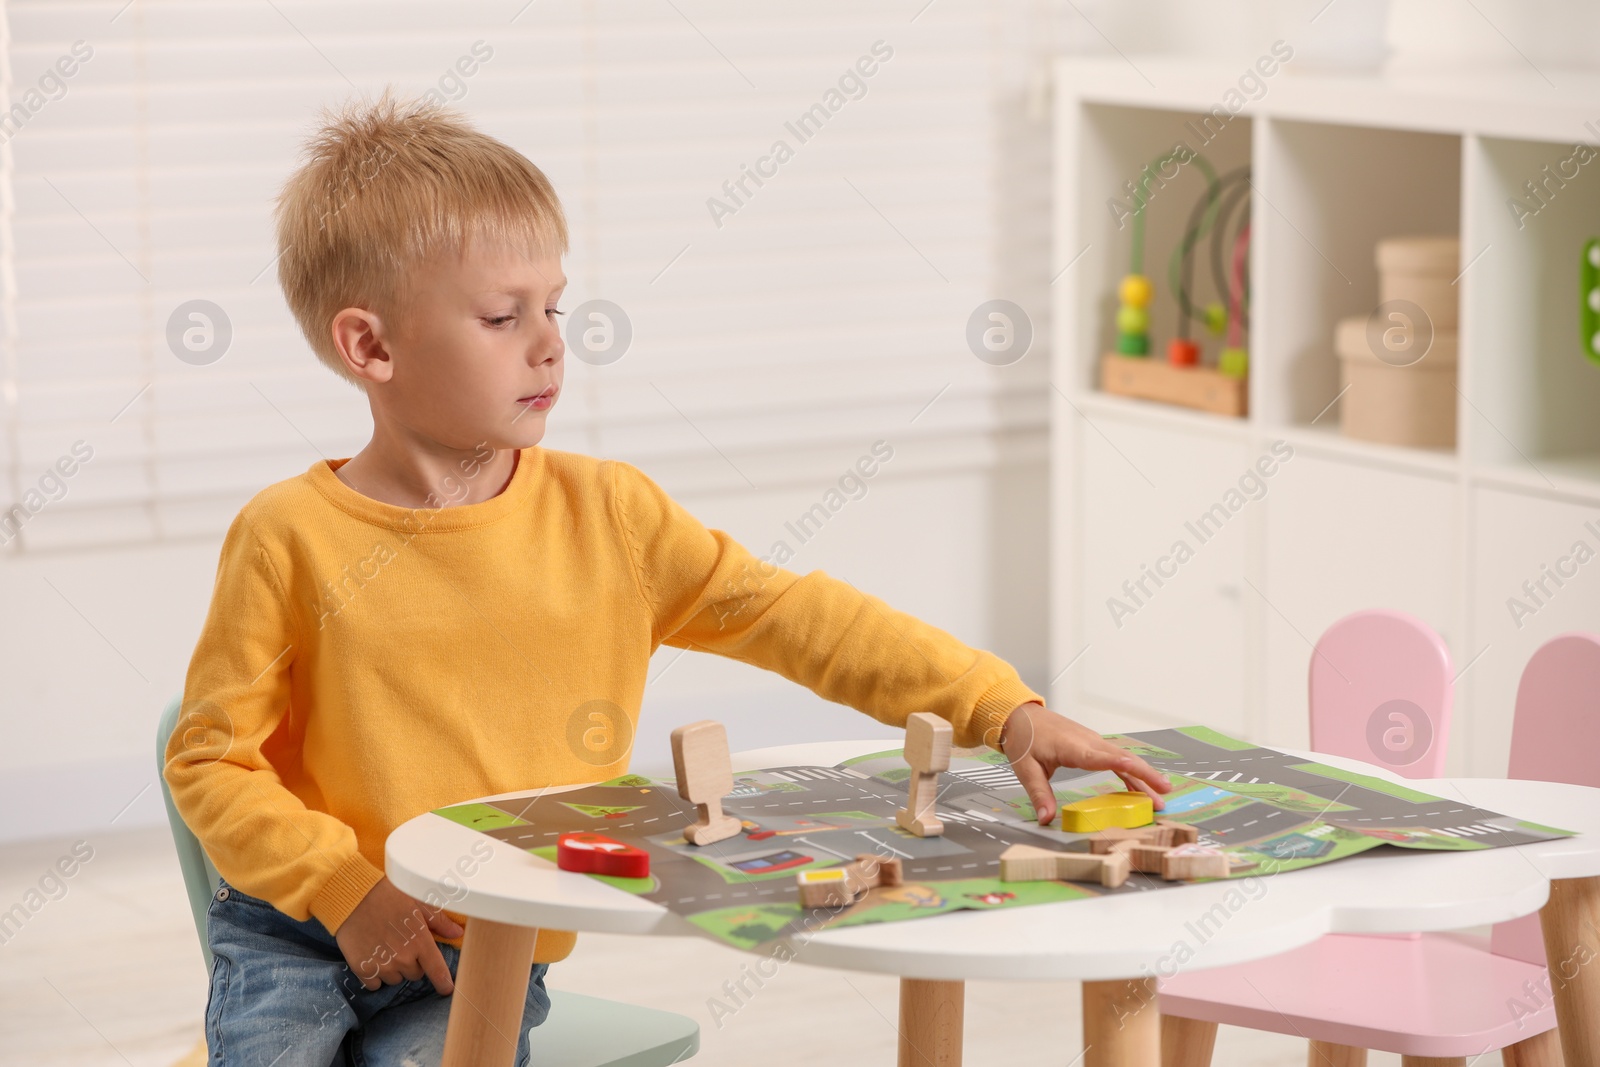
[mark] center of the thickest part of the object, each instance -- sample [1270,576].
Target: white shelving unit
[1450,535]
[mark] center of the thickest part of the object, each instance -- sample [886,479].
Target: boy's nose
[548,351]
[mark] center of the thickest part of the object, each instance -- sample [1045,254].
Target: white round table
[1115,945]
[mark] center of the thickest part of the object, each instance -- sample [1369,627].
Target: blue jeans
[283,995]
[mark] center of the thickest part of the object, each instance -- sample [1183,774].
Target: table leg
[1327,1054]
[1571,923]
[491,989]
[930,1022]
[1121,1023]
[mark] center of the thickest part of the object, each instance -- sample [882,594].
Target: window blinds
[778,301]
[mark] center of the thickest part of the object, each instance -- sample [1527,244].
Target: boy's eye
[553,311]
[498,321]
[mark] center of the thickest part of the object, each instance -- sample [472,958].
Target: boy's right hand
[387,939]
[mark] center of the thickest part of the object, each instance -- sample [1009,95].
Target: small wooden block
[1105,840]
[843,885]
[1110,870]
[1126,810]
[1191,387]
[879,870]
[1194,861]
[1114,871]
[590,853]
[1081,866]
[1029,863]
[825,888]
[1177,833]
[1161,832]
[928,742]
[1143,857]
[856,879]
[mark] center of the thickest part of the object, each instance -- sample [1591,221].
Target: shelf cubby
[1534,396]
[1331,193]
[1120,142]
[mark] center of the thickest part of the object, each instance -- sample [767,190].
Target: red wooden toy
[589,853]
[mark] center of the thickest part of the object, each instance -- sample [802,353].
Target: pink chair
[1381,692]
[1553,739]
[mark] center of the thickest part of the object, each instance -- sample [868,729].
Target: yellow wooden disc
[1127,810]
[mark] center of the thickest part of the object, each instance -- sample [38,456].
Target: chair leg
[1327,1054]
[1433,1061]
[1187,1042]
[1540,1050]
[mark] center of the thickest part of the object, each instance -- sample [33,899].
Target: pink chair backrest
[1381,690]
[1556,733]
[1554,738]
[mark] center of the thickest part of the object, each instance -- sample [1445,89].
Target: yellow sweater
[362,663]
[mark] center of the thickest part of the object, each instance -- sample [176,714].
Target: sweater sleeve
[260,836]
[706,591]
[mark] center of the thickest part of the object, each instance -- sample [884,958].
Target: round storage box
[1422,270]
[1412,404]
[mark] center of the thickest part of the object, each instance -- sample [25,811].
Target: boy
[424,622]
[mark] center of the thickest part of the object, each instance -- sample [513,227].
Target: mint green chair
[579,1032]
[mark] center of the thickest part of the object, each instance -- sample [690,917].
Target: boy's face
[475,342]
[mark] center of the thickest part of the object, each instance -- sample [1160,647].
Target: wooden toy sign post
[704,769]
[928,740]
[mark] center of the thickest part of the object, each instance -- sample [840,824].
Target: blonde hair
[384,187]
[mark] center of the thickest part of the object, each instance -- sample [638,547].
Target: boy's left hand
[1037,740]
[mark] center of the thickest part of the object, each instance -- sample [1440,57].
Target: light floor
[110,975]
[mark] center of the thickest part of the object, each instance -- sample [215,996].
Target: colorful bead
[1133,319]
[1133,344]
[1136,291]
[1182,353]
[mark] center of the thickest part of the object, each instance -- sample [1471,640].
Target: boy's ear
[358,338]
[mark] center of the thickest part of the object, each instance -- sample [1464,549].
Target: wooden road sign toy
[704,770]
[927,750]
[1127,810]
[590,853]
